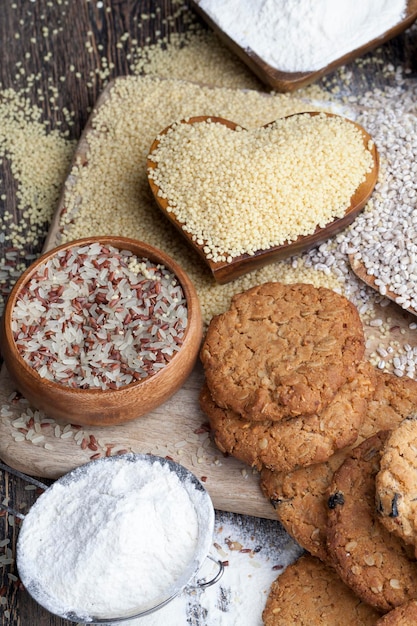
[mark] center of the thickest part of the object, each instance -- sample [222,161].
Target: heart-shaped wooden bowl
[95,406]
[290,81]
[223,271]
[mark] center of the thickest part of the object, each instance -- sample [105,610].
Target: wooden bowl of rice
[101,330]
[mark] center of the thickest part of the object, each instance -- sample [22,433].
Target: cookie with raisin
[300,496]
[396,481]
[369,559]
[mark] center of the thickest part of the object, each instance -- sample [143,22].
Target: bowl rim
[190,294]
[205,519]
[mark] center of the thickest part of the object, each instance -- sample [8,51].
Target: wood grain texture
[29,33]
[290,81]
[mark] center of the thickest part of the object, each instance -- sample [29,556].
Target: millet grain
[239,191]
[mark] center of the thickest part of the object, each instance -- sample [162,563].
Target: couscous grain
[239,191]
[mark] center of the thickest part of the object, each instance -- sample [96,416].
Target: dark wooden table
[45,38]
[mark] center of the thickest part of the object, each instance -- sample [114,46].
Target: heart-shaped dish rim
[358,267]
[225,272]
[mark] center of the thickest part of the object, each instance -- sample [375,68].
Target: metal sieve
[205,519]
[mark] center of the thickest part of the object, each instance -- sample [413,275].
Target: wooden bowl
[96,406]
[290,81]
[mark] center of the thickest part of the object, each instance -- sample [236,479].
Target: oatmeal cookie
[299,497]
[309,592]
[282,351]
[396,481]
[393,400]
[301,441]
[367,557]
[403,615]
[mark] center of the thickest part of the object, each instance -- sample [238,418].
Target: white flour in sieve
[303,35]
[111,542]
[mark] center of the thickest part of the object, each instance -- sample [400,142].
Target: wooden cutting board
[174,429]
[177,428]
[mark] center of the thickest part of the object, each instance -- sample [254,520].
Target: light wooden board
[174,429]
[169,430]
[232,485]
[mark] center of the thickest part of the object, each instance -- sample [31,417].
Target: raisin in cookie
[301,441]
[299,497]
[282,350]
[396,481]
[367,557]
[309,592]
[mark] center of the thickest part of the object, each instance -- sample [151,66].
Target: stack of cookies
[300,496]
[286,384]
[288,392]
[354,512]
[367,565]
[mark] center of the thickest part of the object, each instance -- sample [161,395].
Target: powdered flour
[303,35]
[111,542]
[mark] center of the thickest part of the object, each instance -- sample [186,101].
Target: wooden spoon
[360,270]
[223,271]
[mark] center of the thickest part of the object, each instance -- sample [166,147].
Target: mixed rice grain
[94,316]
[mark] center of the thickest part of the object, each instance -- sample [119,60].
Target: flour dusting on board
[254,555]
